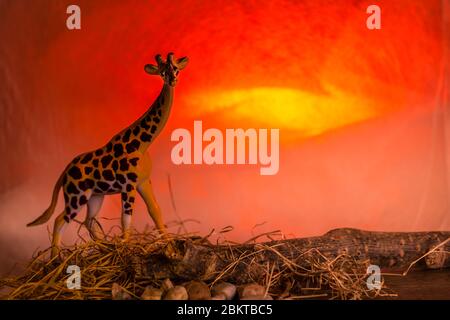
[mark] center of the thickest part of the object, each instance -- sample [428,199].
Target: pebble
[257,297]
[224,288]
[251,289]
[151,293]
[176,293]
[220,296]
[166,285]
[197,290]
[118,293]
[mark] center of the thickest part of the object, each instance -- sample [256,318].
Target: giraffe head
[168,70]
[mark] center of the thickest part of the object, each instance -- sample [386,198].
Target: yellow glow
[284,108]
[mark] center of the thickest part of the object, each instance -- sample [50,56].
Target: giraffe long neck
[150,124]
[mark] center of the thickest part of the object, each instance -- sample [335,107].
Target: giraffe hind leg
[93,207]
[73,207]
[128,200]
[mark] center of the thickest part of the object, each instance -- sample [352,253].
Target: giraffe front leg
[146,192]
[128,200]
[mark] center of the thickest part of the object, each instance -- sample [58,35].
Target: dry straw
[108,261]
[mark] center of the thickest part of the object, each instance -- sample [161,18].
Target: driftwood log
[391,251]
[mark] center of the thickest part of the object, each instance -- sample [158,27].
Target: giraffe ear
[151,69]
[182,62]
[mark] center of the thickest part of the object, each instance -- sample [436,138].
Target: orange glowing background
[363,115]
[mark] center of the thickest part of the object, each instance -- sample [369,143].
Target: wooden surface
[421,285]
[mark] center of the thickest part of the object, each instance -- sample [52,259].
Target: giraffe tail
[48,213]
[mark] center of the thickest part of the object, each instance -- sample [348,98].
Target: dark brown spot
[72,189]
[99,152]
[87,158]
[132,176]
[124,166]
[103,186]
[73,202]
[97,174]
[108,175]
[115,165]
[83,200]
[75,173]
[120,178]
[88,170]
[133,146]
[126,136]
[134,161]
[118,150]
[106,160]
[136,130]
[153,129]
[146,137]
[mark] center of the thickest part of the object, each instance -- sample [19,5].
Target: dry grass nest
[111,260]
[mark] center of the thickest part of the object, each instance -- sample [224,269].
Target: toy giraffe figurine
[121,166]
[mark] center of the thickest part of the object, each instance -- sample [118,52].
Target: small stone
[118,293]
[257,297]
[151,293]
[225,288]
[176,293]
[220,296]
[197,290]
[251,289]
[166,285]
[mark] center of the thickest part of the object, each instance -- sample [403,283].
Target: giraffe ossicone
[122,166]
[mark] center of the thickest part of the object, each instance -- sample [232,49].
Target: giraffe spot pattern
[146,137]
[75,173]
[144,124]
[95,162]
[88,170]
[120,178]
[72,189]
[83,200]
[75,161]
[98,152]
[134,161]
[109,147]
[132,176]
[73,202]
[108,175]
[87,158]
[133,146]
[129,188]
[97,174]
[126,136]
[103,185]
[136,130]
[124,196]
[124,166]
[118,150]
[106,160]
[154,129]
[115,165]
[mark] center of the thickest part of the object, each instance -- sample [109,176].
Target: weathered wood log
[393,251]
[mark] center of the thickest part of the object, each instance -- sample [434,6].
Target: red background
[364,141]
